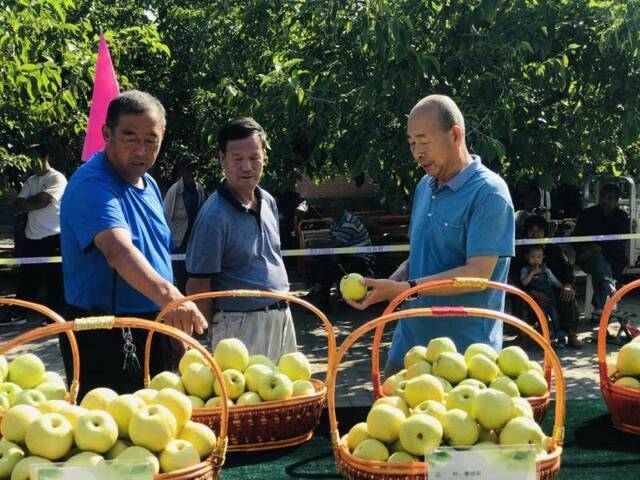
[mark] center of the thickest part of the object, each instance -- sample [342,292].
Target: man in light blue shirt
[462,225]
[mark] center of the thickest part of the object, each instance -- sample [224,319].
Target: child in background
[537,276]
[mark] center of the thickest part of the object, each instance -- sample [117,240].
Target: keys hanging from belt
[131,365]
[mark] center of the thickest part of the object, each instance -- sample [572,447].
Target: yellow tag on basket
[470,282]
[93,323]
[497,462]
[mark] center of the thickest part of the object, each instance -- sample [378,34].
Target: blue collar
[458,181]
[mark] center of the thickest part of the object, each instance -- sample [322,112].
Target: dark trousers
[180,267]
[602,277]
[32,276]
[568,321]
[102,356]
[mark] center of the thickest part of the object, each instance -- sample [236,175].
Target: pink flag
[105,88]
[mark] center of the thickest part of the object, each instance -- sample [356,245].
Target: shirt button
[428,214]
[446,224]
[433,197]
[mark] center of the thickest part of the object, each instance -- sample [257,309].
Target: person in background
[346,231]
[537,277]
[235,244]
[116,246]
[182,203]
[536,227]
[604,261]
[40,199]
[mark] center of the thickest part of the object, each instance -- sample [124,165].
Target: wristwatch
[412,283]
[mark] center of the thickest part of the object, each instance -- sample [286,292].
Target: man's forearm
[36,202]
[199,285]
[402,272]
[137,272]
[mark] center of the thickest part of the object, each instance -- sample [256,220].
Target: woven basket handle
[558,428]
[376,376]
[605,382]
[331,339]
[100,323]
[53,316]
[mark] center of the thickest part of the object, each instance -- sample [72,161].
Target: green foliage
[47,62]
[548,87]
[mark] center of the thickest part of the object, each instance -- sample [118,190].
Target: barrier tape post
[300,252]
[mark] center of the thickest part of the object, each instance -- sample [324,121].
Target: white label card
[105,471]
[483,463]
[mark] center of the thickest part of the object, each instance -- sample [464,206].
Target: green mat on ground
[594,450]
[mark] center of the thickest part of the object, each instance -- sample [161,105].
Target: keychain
[131,364]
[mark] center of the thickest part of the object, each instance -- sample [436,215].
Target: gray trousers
[270,333]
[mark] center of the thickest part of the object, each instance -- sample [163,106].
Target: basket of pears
[420,415]
[271,404]
[502,371]
[146,427]
[620,373]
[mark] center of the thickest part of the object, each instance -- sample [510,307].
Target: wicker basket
[267,425]
[208,469]
[351,467]
[72,394]
[623,402]
[540,405]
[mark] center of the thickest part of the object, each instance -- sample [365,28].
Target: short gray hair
[448,112]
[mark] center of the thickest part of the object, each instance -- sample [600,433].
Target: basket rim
[539,399]
[602,329]
[409,468]
[271,445]
[199,468]
[621,391]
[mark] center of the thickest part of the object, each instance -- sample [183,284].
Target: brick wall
[337,187]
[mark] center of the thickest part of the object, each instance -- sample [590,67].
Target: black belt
[279,305]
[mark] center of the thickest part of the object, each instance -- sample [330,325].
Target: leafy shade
[548,87]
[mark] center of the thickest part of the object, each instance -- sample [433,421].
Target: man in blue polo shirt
[116,249]
[462,225]
[235,244]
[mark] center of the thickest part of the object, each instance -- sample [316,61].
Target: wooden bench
[384,227]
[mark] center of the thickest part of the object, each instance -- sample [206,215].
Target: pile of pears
[249,379]
[444,397]
[148,426]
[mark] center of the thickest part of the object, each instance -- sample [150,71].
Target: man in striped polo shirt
[346,231]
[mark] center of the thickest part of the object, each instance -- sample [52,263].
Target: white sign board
[113,471]
[483,463]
